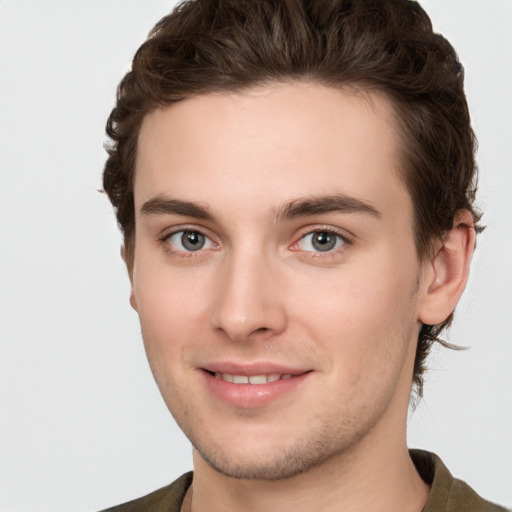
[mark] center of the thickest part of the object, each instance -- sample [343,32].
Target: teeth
[258,379]
[253,379]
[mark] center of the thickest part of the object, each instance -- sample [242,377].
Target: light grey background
[82,425]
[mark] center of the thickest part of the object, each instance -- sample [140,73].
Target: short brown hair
[374,45]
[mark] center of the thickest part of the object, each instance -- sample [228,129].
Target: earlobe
[129,268]
[448,271]
[133,302]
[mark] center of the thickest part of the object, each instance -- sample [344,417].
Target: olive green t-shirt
[447,494]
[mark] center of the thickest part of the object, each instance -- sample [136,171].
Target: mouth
[250,379]
[251,386]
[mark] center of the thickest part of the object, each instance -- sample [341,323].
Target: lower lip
[250,396]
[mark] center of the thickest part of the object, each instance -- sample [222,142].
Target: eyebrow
[301,207]
[319,205]
[165,206]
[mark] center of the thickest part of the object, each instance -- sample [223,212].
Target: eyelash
[329,230]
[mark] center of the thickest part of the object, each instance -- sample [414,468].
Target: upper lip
[258,368]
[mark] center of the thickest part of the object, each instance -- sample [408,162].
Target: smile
[251,379]
[253,386]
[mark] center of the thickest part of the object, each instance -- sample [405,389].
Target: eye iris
[192,240]
[323,241]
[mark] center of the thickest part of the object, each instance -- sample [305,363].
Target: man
[295,184]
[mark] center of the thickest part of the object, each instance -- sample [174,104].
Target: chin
[279,467]
[259,461]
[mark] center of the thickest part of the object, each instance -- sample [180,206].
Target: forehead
[274,142]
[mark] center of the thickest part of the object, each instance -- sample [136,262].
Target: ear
[129,268]
[447,271]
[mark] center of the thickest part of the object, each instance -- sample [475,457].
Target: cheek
[171,307]
[350,300]
[162,289]
[362,316]
[167,312]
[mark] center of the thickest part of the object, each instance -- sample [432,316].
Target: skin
[259,291]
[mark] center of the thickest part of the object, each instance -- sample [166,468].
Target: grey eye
[192,240]
[189,241]
[321,241]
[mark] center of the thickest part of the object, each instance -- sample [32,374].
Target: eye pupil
[323,241]
[192,240]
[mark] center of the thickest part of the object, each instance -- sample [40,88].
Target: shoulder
[448,494]
[166,499]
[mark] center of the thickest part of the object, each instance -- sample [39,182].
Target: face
[275,274]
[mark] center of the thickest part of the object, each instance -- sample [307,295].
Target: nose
[249,301]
